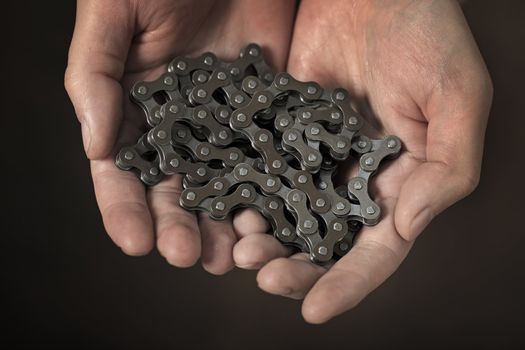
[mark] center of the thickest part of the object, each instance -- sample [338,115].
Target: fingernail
[86,136]
[420,222]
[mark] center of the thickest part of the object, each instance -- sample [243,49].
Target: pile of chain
[245,137]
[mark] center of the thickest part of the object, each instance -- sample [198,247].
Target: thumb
[454,148]
[97,56]
[430,189]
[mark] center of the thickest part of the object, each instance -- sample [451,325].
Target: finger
[457,120]
[218,239]
[255,246]
[249,221]
[122,201]
[375,256]
[255,250]
[290,277]
[97,56]
[178,236]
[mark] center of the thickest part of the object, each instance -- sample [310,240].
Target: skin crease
[412,67]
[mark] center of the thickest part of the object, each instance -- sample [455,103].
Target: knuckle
[489,86]
[69,81]
[468,183]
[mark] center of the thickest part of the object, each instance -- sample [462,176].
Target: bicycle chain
[245,137]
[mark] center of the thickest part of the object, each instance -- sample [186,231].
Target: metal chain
[245,137]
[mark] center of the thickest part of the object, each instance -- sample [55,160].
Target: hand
[419,69]
[119,42]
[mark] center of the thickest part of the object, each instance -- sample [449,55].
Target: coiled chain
[243,136]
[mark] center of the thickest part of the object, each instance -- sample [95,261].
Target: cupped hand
[417,73]
[119,42]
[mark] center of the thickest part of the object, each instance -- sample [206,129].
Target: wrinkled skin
[412,66]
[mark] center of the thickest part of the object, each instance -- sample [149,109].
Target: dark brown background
[65,283]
